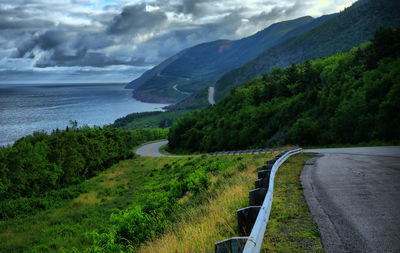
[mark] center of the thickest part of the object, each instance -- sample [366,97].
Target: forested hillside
[42,169]
[194,68]
[347,29]
[157,119]
[350,97]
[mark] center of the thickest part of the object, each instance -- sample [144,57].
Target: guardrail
[240,152]
[253,220]
[248,151]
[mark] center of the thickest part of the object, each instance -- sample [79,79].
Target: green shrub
[129,229]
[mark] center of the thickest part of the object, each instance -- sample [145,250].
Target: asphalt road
[151,149]
[211,91]
[354,197]
[176,88]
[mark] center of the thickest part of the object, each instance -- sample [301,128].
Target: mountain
[349,28]
[347,98]
[194,68]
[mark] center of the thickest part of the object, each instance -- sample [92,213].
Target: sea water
[43,107]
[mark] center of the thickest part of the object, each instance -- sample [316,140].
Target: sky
[66,41]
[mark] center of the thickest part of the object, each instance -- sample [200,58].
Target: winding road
[211,91]
[354,197]
[175,87]
[151,149]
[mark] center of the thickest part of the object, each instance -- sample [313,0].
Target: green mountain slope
[350,98]
[349,28]
[202,65]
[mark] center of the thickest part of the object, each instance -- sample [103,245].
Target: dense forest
[41,169]
[351,97]
[157,119]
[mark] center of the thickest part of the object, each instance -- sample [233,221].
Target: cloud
[197,8]
[136,19]
[46,36]
[84,58]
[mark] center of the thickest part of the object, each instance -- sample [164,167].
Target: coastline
[89,104]
[151,98]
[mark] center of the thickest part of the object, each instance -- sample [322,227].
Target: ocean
[28,108]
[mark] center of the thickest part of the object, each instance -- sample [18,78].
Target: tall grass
[215,222]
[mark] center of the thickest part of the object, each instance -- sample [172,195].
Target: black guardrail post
[257,196]
[246,218]
[231,245]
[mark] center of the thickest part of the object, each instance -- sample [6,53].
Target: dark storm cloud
[23,48]
[84,58]
[51,39]
[46,41]
[194,7]
[135,19]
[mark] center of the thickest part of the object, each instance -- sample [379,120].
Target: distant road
[151,149]
[175,87]
[354,196]
[211,91]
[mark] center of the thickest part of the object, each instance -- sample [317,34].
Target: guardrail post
[252,220]
[246,218]
[264,173]
[271,162]
[257,196]
[231,245]
[267,167]
[261,183]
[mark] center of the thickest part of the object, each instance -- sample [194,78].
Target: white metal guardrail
[254,241]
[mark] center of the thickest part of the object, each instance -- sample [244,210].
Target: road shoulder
[329,237]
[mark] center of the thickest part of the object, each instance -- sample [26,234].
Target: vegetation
[346,98]
[137,201]
[152,120]
[196,100]
[291,227]
[347,29]
[42,170]
[194,68]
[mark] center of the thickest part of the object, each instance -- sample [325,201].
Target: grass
[135,182]
[291,227]
[200,218]
[215,221]
[68,227]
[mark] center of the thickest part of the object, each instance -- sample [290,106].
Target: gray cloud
[84,58]
[196,8]
[135,19]
[44,36]
[51,39]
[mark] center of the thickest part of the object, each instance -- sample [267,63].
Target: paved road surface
[354,196]
[175,87]
[151,149]
[211,91]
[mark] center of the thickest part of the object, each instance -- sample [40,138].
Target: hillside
[347,29]
[157,119]
[347,98]
[139,203]
[194,68]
